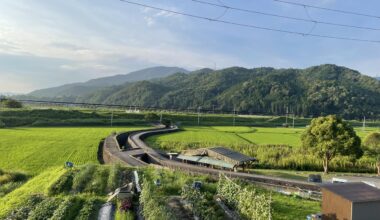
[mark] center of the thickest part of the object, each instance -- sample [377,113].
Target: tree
[329,137]
[11,103]
[151,117]
[372,142]
[2,124]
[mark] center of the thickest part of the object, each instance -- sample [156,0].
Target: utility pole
[364,123]
[293,120]
[161,118]
[287,112]
[234,117]
[111,117]
[199,114]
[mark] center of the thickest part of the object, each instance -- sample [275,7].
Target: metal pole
[111,117]
[199,114]
[234,117]
[364,123]
[293,120]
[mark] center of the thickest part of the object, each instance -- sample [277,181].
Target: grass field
[33,150]
[232,136]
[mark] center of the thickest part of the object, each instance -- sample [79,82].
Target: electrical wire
[249,25]
[284,16]
[329,9]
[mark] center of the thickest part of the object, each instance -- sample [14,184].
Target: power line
[284,16]
[329,9]
[252,26]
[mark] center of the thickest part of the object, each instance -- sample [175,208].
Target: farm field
[193,137]
[33,150]
[59,193]
[284,207]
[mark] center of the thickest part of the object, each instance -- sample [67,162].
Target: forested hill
[70,91]
[319,90]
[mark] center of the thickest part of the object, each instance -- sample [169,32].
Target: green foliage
[45,209]
[68,209]
[329,137]
[63,184]
[98,182]
[198,201]
[249,203]
[315,91]
[114,178]
[22,212]
[151,117]
[372,140]
[89,210]
[11,103]
[83,177]
[2,124]
[153,208]
[37,185]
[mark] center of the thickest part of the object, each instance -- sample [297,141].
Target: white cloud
[149,21]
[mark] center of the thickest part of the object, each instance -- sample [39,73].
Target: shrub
[63,184]
[45,209]
[372,140]
[99,181]
[83,177]
[11,103]
[9,187]
[89,210]
[23,212]
[153,208]
[68,209]
[114,178]
[151,117]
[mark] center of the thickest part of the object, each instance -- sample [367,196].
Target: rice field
[192,137]
[33,150]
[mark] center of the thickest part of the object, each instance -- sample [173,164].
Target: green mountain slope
[77,89]
[319,90]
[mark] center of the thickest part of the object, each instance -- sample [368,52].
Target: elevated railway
[135,141]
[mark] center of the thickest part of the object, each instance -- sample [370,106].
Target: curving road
[136,141]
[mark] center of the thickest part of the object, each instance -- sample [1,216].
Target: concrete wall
[335,207]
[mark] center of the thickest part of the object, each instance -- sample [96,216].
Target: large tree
[329,137]
[372,143]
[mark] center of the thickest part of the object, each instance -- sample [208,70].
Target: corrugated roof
[241,158]
[355,192]
[206,160]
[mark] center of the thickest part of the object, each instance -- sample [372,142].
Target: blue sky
[48,43]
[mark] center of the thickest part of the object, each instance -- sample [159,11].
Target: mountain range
[78,89]
[314,91]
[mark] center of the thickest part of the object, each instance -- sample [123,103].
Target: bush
[10,103]
[151,117]
[68,209]
[98,182]
[114,178]
[63,184]
[45,209]
[83,177]
[89,210]
[372,140]
[23,212]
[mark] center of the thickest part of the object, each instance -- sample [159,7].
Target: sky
[45,43]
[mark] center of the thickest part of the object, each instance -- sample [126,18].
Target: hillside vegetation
[69,92]
[319,90]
